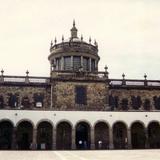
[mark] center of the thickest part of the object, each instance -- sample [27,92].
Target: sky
[127,32]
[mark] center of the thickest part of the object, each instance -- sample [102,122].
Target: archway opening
[101,136]
[44,136]
[154,135]
[64,136]
[83,136]
[138,137]
[24,135]
[6,131]
[120,135]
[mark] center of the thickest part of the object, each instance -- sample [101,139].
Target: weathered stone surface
[143,93]
[64,96]
[22,91]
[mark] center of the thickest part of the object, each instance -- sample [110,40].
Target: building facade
[78,107]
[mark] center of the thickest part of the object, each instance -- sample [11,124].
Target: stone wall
[143,93]
[63,95]
[25,91]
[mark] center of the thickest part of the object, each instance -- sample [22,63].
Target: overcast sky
[127,32]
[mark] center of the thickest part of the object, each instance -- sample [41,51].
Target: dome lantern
[74,31]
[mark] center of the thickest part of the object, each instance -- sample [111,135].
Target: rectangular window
[76,63]
[81,95]
[93,65]
[67,63]
[58,63]
[86,64]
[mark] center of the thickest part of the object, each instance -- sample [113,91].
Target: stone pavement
[81,155]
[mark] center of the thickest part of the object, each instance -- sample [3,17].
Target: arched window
[156,102]
[147,104]
[38,100]
[113,102]
[136,102]
[1,102]
[13,100]
[124,104]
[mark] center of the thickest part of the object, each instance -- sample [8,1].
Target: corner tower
[73,54]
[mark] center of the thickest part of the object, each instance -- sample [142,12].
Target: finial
[123,75]
[81,37]
[27,73]
[62,38]
[106,68]
[2,71]
[145,76]
[74,31]
[106,71]
[51,43]
[55,40]
[90,40]
[95,43]
[74,23]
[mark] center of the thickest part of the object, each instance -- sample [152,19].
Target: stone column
[54,138]
[34,141]
[111,146]
[14,145]
[82,61]
[73,139]
[129,139]
[90,64]
[62,63]
[72,62]
[146,142]
[92,139]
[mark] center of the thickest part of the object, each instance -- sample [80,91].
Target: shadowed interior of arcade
[81,136]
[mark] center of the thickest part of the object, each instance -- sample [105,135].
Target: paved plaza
[81,155]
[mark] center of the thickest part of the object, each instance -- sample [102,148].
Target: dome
[74,54]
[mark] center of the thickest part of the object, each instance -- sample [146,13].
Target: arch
[7,120]
[101,137]
[101,120]
[83,139]
[64,120]
[138,137]
[44,120]
[6,134]
[24,135]
[85,121]
[137,121]
[44,135]
[120,135]
[25,120]
[64,135]
[154,134]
